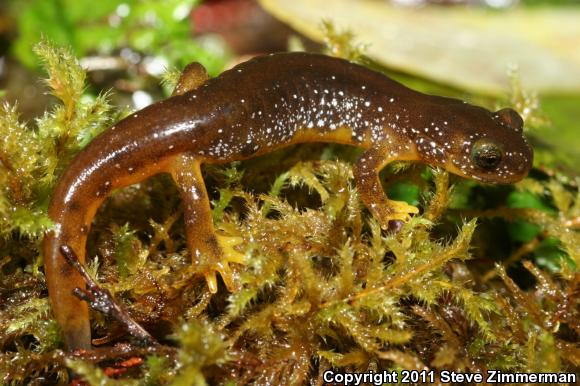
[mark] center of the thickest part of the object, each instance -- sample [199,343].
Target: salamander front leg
[366,174]
[211,253]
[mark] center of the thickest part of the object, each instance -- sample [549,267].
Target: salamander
[256,107]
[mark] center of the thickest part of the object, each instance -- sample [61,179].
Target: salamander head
[490,147]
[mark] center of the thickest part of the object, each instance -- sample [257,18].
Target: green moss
[341,43]
[323,286]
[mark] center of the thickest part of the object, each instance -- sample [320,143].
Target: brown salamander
[257,107]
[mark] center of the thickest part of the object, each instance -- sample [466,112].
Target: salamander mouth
[499,180]
[500,175]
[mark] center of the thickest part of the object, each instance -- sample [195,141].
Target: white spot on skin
[194,193]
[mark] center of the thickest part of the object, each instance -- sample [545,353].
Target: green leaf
[549,255]
[404,191]
[527,200]
[523,231]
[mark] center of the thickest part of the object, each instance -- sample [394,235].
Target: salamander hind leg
[366,173]
[211,253]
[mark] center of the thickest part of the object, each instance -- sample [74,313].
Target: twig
[100,299]
[120,351]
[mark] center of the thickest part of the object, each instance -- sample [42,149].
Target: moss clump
[323,287]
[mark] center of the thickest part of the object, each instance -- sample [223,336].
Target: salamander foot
[393,211]
[222,265]
[402,211]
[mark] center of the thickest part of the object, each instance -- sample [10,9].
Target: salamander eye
[486,154]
